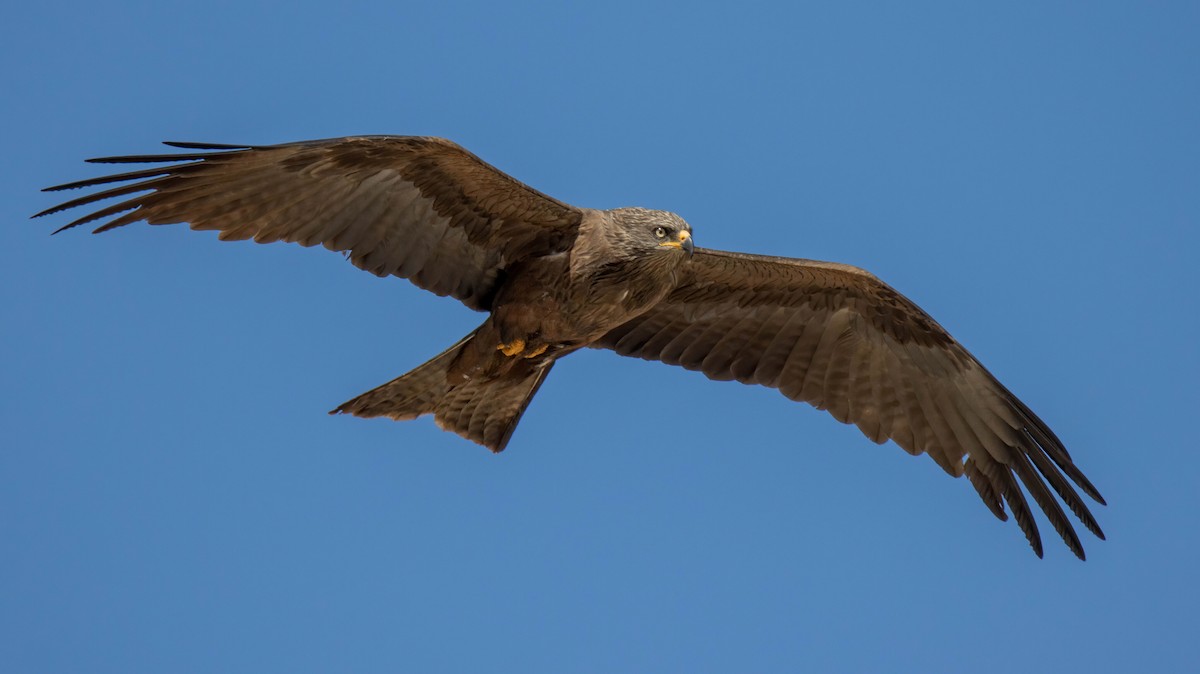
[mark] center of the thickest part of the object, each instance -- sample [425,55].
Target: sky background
[173,497]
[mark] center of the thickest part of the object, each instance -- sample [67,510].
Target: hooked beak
[684,241]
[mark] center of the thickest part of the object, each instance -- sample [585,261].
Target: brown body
[555,278]
[544,308]
[567,300]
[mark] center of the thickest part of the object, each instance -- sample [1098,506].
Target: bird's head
[655,231]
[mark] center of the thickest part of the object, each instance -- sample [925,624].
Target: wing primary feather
[129,218]
[1057,452]
[1041,495]
[154,158]
[996,474]
[100,196]
[116,178]
[984,487]
[208,196]
[1035,420]
[1064,490]
[1020,508]
[994,413]
[1049,442]
[126,205]
[1018,459]
[190,145]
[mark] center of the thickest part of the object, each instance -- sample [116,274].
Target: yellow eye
[660,232]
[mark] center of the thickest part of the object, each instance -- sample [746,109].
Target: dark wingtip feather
[189,145]
[985,489]
[159,158]
[1045,500]
[1086,486]
[1055,449]
[1021,512]
[149,158]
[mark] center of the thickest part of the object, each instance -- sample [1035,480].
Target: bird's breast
[547,303]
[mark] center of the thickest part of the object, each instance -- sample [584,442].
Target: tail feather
[484,408]
[410,395]
[487,411]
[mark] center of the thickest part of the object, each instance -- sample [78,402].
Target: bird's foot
[513,348]
[517,348]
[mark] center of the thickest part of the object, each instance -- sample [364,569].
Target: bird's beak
[683,241]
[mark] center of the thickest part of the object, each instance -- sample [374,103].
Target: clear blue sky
[173,497]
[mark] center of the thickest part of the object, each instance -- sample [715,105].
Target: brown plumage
[555,278]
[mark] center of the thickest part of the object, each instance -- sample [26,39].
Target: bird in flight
[555,278]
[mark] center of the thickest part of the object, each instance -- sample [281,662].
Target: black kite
[556,278]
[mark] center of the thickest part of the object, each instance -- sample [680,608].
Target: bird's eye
[660,232]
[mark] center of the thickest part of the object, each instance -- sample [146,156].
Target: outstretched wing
[837,337]
[424,209]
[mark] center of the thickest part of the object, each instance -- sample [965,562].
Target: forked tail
[484,408]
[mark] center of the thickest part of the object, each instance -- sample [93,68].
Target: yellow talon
[517,346]
[538,351]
